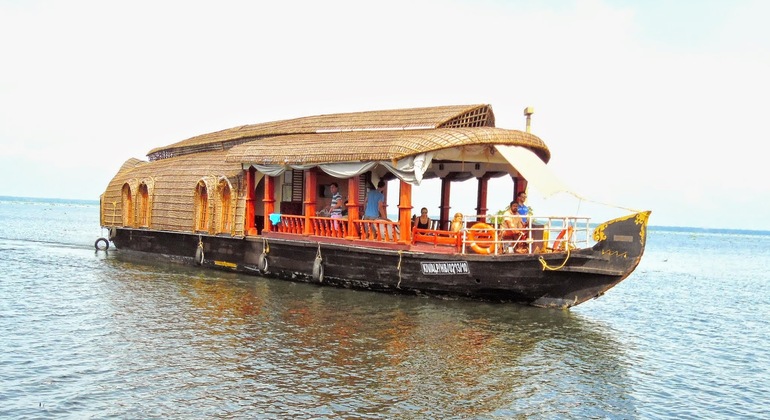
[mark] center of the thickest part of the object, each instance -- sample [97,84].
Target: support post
[249,226]
[481,197]
[405,212]
[352,207]
[519,185]
[311,181]
[269,202]
[445,220]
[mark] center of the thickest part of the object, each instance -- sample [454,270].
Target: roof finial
[528,111]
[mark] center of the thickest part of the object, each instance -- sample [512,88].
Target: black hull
[546,280]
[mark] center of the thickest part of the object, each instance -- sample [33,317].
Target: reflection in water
[87,334]
[239,345]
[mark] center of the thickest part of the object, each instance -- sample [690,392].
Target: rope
[581,198]
[200,245]
[265,246]
[400,254]
[547,267]
[318,254]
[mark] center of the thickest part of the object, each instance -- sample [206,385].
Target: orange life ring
[561,241]
[484,233]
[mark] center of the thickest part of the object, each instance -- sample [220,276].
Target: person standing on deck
[375,202]
[522,209]
[335,207]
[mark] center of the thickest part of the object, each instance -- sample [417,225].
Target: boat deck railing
[485,234]
[481,234]
[380,230]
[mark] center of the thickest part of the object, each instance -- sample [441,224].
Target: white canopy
[534,170]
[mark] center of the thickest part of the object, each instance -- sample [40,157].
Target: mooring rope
[548,267]
[400,254]
[200,245]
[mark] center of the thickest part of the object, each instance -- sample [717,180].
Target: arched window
[127,205]
[144,205]
[225,223]
[201,207]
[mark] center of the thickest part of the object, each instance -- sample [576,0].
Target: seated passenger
[457,222]
[423,221]
[513,227]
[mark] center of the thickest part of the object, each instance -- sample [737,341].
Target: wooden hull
[559,280]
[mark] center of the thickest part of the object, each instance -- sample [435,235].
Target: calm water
[85,334]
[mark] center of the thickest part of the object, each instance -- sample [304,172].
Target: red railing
[378,230]
[437,237]
[329,227]
[291,224]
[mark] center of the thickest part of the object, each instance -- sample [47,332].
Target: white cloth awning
[409,169]
[534,170]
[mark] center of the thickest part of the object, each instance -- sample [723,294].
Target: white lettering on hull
[445,268]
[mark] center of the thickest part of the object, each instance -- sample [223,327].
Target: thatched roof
[365,146]
[398,119]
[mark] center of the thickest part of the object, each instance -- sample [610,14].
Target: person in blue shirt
[523,209]
[375,202]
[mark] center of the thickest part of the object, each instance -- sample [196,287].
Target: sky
[653,105]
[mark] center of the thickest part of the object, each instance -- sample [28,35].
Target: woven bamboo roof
[397,119]
[365,146]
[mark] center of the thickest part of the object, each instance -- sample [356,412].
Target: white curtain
[410,169]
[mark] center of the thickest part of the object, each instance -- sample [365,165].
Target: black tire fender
[318,270]
[262,263]
[102,240]
[199,255]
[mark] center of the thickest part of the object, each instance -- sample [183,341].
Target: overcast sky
[644,104]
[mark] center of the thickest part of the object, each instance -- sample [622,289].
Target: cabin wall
[171,188]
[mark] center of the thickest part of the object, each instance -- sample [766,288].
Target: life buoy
[262,263]
[560,244]
[199,255]
[318,270]
[481,236]
[102,240]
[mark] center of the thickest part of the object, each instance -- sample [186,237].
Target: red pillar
[250,227]
[311,181]
[481,197]
[519,185]
[444,208]
[405,212]
[269,202]
[352,206]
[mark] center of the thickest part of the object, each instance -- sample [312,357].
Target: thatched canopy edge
[303,149]
[396,119]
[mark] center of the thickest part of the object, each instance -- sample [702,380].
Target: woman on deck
[423,221]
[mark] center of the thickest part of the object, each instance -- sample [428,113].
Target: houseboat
[251,199]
